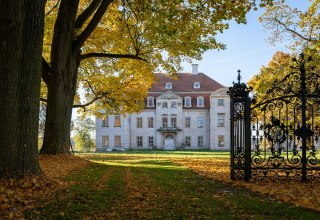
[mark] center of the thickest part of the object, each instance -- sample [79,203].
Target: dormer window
[196,85]
[187,101]
[150,102]
[168,85]
[200,101]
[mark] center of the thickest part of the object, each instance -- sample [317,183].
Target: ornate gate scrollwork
[282,127]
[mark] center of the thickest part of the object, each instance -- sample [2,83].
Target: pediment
[220,92]
[169,95]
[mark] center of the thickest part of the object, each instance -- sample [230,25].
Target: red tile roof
[183,86]
[184,83]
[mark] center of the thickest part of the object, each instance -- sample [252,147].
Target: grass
[141,185]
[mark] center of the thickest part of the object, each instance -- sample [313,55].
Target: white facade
[170,122]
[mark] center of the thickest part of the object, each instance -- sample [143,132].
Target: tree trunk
[21,37]
[62,82]
[59,111]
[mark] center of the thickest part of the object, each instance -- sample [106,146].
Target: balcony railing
[169,129]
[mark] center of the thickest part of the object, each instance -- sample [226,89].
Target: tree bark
[21,37]
[62,81]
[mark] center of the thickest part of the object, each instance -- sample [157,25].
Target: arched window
[200,101]
[187,101]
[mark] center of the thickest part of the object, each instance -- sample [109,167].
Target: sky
[247,49]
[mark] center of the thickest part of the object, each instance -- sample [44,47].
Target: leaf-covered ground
[153,185]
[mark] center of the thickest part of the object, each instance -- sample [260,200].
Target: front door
[169,143]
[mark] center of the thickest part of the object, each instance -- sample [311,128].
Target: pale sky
[247,49]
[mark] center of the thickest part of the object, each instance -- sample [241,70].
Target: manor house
[190,112]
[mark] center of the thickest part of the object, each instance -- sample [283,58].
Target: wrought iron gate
[277,136]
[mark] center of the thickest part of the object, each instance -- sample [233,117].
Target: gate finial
[239,76]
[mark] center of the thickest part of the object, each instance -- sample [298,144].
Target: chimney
[195,69]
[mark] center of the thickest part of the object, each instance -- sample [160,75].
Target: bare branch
[92,24]
[109,55]
[309,39]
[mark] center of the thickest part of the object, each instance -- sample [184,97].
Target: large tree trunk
[62,82]
[59,111]
[21,36]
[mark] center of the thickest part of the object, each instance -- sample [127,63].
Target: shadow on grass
[157,189]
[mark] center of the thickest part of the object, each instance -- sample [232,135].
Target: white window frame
[200,141]
[139,122]
[221,119]
[173,121]
[187,141]
[200,101]
[200,122]
[150,122]
[168,85]
[150,101]
[220,140]
[173,105]
[187,101]
[164,121]
[150,141]
[187,122]
[105,139]
[139,141]
[196,85]
[117,121]
[220,102]
[164,104]
[105,121]
[117,140]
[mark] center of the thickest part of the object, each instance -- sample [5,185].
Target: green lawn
[147,185]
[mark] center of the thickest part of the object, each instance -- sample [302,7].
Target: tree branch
[54,7]
[109,55]
[45,71]
[92,24]
[84,16]
[43,100]
[294,32]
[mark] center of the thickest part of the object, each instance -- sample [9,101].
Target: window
[221,119]
[200,141]
[117,141]
[188,122]
[187,101]
[139,122]
[150,122]
[139,141]
[168,85]
[150,102]
[164,105]
[173,121]
[150,141]
[220,102]
[220,141]
[187,141]
[105,121]
[196,85]
[105,141]
[117,122]
[200,122]
[173,105]
[165,121]
[200,101]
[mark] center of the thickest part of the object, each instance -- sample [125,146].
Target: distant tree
[21,39]
[82,138]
